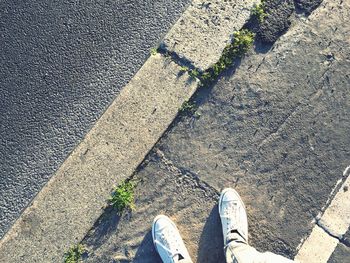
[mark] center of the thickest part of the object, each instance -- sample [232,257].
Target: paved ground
[62,65]
[162,188]
[342,251]
[276,129]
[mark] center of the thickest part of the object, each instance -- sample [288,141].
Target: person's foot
[167,240]
[233,217]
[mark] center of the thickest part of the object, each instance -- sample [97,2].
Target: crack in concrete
[279,127]
[185,172]
[259,65]
[341,238]
[318,220]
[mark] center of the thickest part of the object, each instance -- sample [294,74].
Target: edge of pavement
[73,199]
[330,228]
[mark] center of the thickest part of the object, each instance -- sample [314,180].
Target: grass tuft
[258,11]
[184,69]
[74,254]
[154,51]
[123,196]
[188,106]
[242,41]
[194,73]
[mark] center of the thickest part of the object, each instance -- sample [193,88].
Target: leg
[235,231]
[168,242]
[243,253]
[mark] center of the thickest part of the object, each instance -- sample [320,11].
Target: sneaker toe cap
[230,195]
[161,222]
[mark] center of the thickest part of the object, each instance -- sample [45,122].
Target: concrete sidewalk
[276,129]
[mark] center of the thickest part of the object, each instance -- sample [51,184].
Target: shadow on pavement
[102,230]
[211,241]
[146,251]
[210,244]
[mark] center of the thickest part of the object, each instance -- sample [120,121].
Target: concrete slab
[341,254]
[67,207]
[336,218]
[277,130]
[330,229]
[205,28]
[318,247]
[162,189]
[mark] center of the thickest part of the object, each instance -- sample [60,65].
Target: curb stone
[204,30]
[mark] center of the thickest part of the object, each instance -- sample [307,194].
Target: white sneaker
[233,217]
[167,240]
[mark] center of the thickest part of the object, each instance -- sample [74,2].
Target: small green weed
[197,115]
[188,106]
[74,254]
[154,51]
[184,69]
[194,73]
[258,11]
[242,42]
[206,76]
[123,196]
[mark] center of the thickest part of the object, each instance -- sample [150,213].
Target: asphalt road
[62,64]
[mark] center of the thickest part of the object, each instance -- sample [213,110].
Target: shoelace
[166,245]
[236,236]
[232,210]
